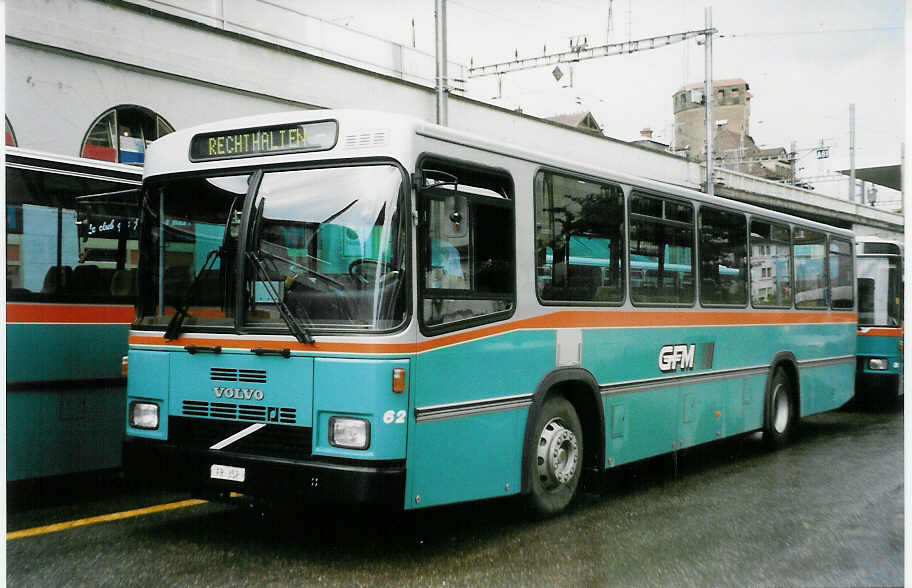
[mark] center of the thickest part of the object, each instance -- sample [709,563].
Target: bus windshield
[324,249]
[327,248]
[879,291]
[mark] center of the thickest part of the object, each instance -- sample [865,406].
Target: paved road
[828,510]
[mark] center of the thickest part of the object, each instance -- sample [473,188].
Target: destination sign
[273,140]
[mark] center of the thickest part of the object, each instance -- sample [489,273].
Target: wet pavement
[825,511]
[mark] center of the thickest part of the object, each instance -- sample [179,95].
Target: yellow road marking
[102,519]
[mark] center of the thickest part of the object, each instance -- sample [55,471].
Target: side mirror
[457,216]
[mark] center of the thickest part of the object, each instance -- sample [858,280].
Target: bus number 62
[391,416]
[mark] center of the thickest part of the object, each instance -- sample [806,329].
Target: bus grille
[270,441]
[240,412]
[237,375]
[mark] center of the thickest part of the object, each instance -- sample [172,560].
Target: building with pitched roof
[578,120]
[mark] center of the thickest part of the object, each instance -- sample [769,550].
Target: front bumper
[877,385]
[271,479]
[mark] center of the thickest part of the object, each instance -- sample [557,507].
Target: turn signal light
[123,366]
[398,380]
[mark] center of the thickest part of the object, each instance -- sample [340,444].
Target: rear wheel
[782,416]
[556,457]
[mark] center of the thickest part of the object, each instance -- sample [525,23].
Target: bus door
[466,441]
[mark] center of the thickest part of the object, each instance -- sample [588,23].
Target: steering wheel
[355,268]
[293,278]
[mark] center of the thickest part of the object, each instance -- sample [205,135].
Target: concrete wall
[52,98]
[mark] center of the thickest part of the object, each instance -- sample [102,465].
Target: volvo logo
[238,393]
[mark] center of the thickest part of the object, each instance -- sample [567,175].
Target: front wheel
[782,417]
[555,457]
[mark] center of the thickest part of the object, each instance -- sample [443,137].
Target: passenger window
[579,240]
[467,256]
[60,246]
[723,257]
[809,252]
[770,265]
[841,274]
[661,250]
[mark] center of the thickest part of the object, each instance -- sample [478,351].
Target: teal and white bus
[880,318]
[357,306]
[71,258]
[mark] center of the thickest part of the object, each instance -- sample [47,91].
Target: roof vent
[364,140]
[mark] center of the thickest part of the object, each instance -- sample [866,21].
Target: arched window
[122,133]
[10,135]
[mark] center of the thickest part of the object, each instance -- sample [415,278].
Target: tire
[782,417]
[555,457]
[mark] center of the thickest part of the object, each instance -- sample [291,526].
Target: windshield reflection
[325,249]
[332,249]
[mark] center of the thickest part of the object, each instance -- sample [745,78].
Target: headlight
[144,415]
[877,363]
[349,433]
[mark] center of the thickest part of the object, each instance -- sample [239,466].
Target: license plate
[230,473]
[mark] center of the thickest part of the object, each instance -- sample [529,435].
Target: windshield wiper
[297,329]
[173,330]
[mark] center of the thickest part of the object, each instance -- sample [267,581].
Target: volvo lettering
[238,393]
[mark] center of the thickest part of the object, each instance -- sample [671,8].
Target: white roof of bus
[69,160]
[170,154]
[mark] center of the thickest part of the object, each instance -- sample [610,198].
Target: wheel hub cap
[781,411]
[558,454]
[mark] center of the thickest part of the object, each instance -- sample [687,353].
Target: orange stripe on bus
[561,319]
[582,319]
[317,347]
[198,311]
[68,313]
[881,332]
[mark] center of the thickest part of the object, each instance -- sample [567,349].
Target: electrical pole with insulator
[440,18]
[708,98]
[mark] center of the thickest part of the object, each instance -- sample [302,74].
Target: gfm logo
[674,357]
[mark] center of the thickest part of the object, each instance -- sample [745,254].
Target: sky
[805,62]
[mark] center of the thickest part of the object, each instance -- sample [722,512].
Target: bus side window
[661,244]
[809,254]
[842,293]
[579,239]
[467,257]
[770,264]
[723,257]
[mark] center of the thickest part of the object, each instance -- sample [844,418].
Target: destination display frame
[278,139]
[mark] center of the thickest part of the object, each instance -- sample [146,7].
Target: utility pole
[852,152]
[902,176]
[440,18]
[708,97]
[610,20]
[793,162]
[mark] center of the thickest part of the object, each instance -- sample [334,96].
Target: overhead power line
[582,51]
[817,32]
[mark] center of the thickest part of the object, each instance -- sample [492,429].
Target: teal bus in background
[70,265]
[879,267]
[355,306]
